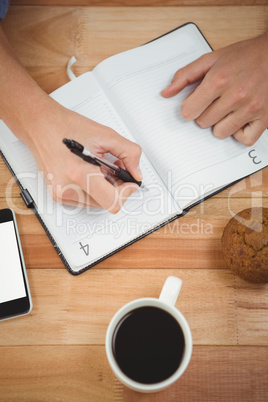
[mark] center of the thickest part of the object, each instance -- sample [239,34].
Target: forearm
[42,123]
[20,96]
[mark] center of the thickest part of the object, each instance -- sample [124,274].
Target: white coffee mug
[165,302]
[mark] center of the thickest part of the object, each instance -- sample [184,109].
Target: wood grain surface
[57,352]
[139,3]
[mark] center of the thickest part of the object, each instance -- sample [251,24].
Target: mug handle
[171,290]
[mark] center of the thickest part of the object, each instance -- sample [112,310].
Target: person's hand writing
[233,94]
[42,123]
[70,179]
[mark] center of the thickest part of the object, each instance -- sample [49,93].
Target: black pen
[87,156]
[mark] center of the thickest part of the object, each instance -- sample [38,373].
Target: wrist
[28,114]
[22,106]
[264,40]
[36,120]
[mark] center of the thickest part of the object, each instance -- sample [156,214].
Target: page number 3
[254,157]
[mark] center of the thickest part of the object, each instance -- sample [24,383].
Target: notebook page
[86,235]
[178,149]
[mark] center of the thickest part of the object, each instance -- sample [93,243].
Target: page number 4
[85,248]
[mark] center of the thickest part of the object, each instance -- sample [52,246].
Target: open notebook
[182,164]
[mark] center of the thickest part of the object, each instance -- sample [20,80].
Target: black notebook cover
[31,204]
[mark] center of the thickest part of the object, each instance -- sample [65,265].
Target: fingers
[239,120]
[232,96]
[81,200]
[214,113]
[225,116]
[110,196]
[249,134]
[228,125]
[204,95]
[102,139]
[92,189]
[127,151]
[106,195]
[71,194]
[98,189]
[200,99]
[189,74]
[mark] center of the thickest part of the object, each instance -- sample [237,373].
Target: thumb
[128,153]
[189,74]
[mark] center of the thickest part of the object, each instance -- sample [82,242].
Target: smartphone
[15,297]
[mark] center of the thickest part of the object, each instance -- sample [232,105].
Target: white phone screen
[11,278]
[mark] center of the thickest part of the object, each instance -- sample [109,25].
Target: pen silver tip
[144,188]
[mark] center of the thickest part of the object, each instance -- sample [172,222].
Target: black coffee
[148,345]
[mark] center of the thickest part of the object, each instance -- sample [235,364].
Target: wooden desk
[57,352]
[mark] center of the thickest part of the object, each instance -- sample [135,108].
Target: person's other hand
[70,179]
[233,94]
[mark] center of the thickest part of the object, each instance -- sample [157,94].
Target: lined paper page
[86,235]
[178,149]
